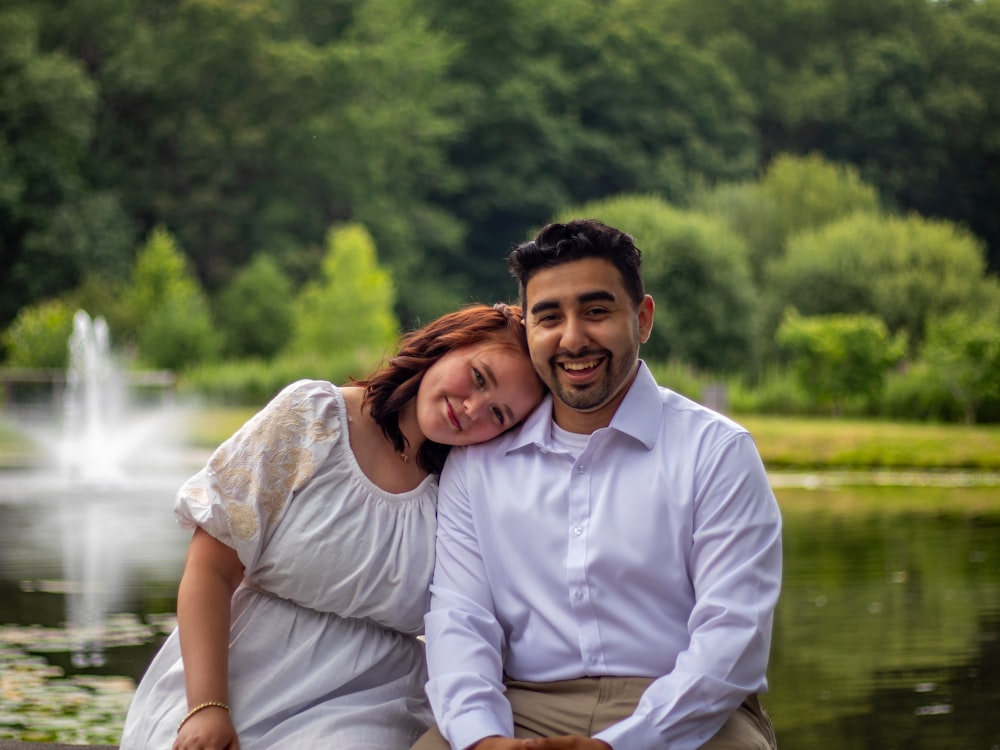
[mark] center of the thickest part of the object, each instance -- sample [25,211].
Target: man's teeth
[574,366]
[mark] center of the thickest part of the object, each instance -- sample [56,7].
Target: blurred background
[241,193]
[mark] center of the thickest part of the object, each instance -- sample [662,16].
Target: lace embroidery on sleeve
[267,462]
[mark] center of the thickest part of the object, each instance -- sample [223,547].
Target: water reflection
[72,556]
[887,632]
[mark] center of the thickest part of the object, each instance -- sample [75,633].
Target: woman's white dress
[323,648]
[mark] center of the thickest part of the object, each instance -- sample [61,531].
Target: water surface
[887,634]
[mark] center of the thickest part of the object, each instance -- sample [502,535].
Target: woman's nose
[474,405]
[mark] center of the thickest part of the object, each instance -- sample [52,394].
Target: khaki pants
[586,706]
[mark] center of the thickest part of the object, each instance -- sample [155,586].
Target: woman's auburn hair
[389,389]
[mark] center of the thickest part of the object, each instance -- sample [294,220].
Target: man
[607,574]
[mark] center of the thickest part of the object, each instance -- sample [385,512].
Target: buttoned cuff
[472,726]
[633,733]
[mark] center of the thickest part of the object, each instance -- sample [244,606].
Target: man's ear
[645,313]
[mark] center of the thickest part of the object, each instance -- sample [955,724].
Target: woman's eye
[480,380]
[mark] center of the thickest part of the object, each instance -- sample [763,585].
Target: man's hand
[569,742]
[497,743]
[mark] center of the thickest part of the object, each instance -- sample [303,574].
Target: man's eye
[498,415]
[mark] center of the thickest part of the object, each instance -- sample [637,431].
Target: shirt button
[578,595]
[580,469]
[578,531]
[593,660]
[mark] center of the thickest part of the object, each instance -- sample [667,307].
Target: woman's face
[473,394]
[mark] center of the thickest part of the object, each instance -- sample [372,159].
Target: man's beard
[595,394]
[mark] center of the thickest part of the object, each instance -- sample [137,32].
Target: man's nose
[574,335]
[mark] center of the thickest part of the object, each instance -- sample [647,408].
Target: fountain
[94,388]
[101,510]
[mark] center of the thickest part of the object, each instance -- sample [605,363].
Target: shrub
[39,335]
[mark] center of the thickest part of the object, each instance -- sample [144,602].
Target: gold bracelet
[202,707]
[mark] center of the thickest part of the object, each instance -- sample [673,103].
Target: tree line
[778,161]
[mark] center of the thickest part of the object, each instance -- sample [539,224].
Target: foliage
[350,307]
[962,352]
[900,269]
[177,335]
[776,391]
[396,110]
[905,90]
[85,236]
[840,357]
[39,334]
[678,377]
[695,267]
[255,310]
[451,130]
[795,194]
[173,323]
[255,381]
[568,102]
[246,128]
[915,392]
[47,103]
[43,705]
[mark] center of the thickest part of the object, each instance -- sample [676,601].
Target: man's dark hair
[581,238]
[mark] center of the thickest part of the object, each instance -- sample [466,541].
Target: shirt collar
[635,416]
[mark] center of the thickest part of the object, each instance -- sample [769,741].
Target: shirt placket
[581,591]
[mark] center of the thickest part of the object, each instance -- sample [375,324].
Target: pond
[887,634]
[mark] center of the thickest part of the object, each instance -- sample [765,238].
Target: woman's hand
[209,729]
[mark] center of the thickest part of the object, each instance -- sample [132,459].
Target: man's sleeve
[464,640]
[735,569]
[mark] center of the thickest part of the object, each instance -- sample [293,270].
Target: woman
[307,576]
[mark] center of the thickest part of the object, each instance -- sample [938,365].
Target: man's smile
[577,366]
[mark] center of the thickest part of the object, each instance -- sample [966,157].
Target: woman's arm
[212,572]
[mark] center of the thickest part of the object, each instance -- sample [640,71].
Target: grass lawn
[804,443]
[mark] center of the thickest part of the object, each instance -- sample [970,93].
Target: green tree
[901,270]
[39,335]
[575,101]
[87,236]
[172,323]
[246,128]
[695,268]
[391,110]
[838,358]
[962,351]
[254,310]
[46,117]
[349,309]
[795,193]
[906,90]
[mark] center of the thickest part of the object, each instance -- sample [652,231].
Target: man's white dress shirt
[654,552]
